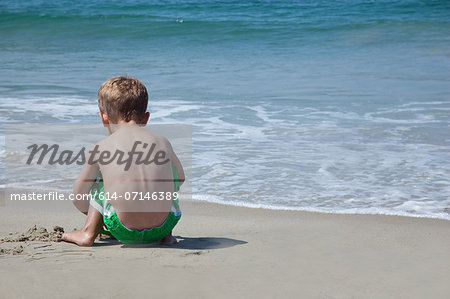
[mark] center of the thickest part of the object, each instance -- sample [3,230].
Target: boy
[133,174]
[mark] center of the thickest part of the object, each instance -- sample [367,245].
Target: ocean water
[332,106]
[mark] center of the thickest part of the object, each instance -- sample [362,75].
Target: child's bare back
[132,188]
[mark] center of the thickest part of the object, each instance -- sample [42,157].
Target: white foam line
[316,210]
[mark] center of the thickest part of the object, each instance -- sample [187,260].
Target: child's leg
[82,206]
[168,240]
[87,235]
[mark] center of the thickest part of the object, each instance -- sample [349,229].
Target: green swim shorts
[121,232]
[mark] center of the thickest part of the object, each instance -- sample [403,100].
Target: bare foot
[81,238]
[168,240]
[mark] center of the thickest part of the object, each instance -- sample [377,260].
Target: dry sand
[226,252]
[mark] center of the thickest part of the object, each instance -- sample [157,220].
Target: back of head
[123,98]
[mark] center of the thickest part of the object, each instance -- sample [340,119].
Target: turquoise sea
[332,106]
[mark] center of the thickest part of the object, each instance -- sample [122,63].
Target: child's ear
[145,119]
[104,118]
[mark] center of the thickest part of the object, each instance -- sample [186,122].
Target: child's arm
[176,162]
[83,185]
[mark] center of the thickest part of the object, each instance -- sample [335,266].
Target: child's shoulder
[133,135]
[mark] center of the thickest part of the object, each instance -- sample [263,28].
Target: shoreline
[306,210]
[226,251]
[3,200]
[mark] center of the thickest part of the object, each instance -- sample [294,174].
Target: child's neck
[111,128]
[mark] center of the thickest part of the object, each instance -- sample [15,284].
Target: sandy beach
[226,251]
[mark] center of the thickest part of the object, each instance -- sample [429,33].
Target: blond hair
[123,98]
